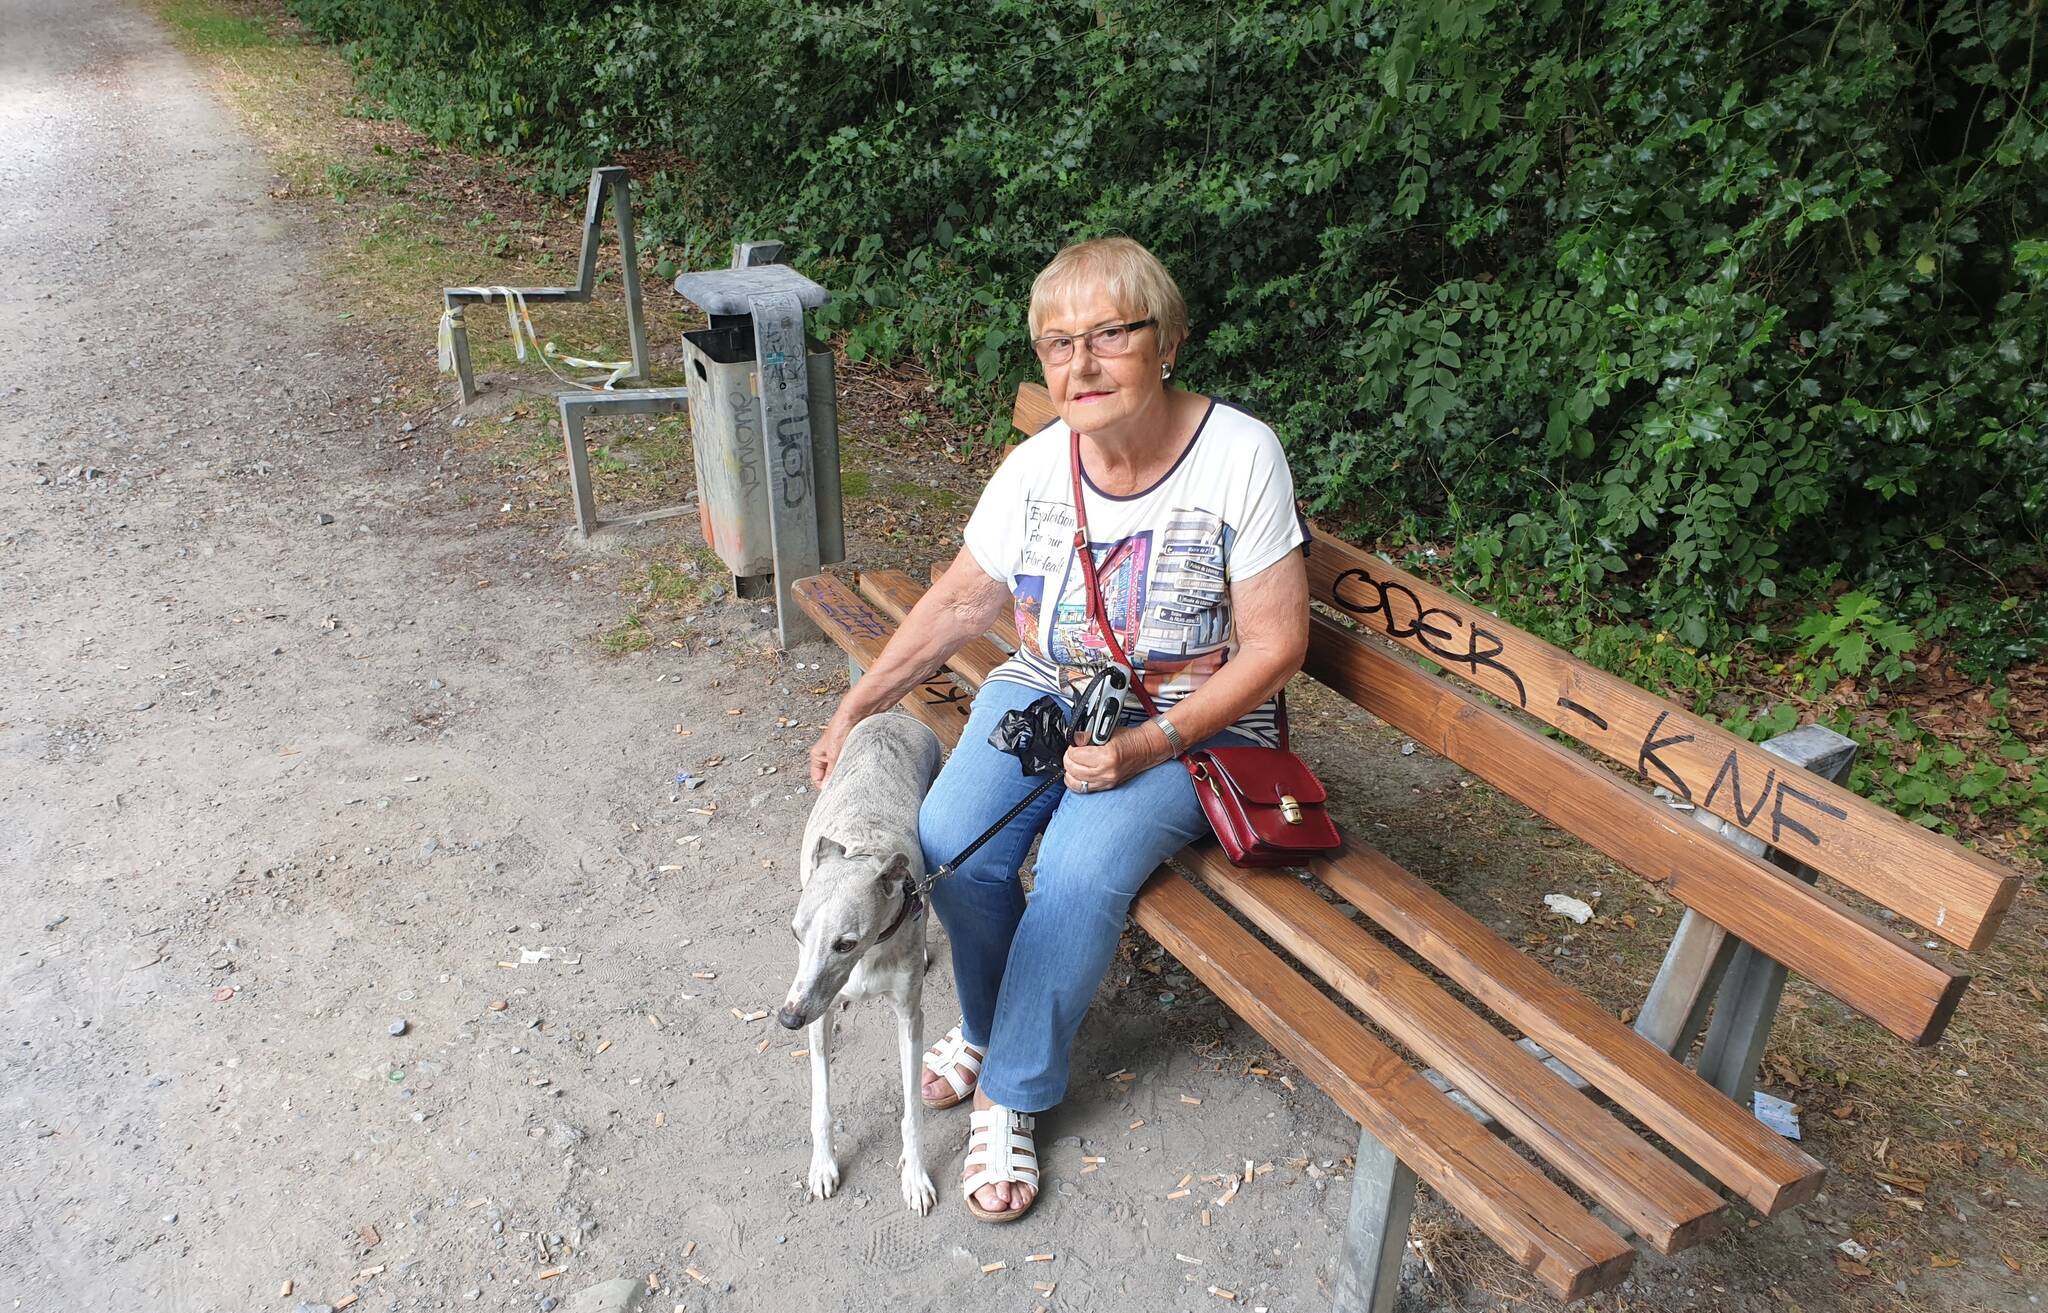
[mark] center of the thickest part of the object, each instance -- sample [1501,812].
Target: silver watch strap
[1173,738]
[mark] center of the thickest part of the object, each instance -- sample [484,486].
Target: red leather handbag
[1265,805]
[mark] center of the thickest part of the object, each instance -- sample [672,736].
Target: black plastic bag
[1036,736]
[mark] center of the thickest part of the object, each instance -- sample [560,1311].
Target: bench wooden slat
[1868,966]
[1925,877]
[1538,1225]
[1666,1096]
[1664,1204]
[1521,1210]
[1659,1091]
[896,592]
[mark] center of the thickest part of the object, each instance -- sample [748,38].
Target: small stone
[472,1293]
[548,1303]
[397,1028]
[498,1005]
[143,706]
[56,921]
[323,519]
[168,1218]
[427,849]
[436,685]
[713,642]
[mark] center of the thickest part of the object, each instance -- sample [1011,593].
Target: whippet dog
[861,924]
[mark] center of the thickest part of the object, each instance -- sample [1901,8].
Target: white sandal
[1002,1149]
[946,1059]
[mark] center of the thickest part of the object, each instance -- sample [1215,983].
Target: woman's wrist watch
[1173,738]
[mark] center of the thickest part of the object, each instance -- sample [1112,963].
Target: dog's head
[848,901]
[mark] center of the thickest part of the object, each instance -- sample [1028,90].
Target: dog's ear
[896,869]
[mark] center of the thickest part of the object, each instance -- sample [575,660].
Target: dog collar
[911,904]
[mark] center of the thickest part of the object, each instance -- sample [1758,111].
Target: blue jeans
[1026,969]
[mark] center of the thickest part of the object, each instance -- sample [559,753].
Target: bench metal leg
[579,466]
[1707,967]
[1376,1236]
[629,273]
[458,334]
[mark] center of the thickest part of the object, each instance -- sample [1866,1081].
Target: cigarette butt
[1205,1217]
[476,1203]
[661,1119]
[654,1021]
[697,1276]
[1221,1293]
[703,975]
[689,1249]
[284,1289]
[549,1274]
[756,1015]
[1136,1124]
[762,1047]
[1038,1258]
[1091,1167]
[1288,1081]
[508,965]
[344,1302]
[799,1053]
[737,1014]
[1187,1259]
[653,1281]
[1247,1171]
[1118,1074]
[1180,1194]
[604,1045]
[1191,1100]
[1258,1071]
[996,1266]
[369,1272]
[1044,1287]
[1262,1169]
[1127,1077]
[1184,1180]
[1092,1158]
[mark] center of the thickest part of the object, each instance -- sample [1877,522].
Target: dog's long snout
[791,1018]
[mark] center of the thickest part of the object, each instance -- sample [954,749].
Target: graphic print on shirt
[1166,598]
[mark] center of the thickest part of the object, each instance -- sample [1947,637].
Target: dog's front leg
[824,1175]
[918,1190]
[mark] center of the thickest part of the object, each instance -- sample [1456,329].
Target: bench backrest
[1923,876]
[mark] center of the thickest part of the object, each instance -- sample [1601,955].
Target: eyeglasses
[1113,340]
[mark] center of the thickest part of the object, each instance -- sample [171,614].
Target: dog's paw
[918,1190]
[824,1176]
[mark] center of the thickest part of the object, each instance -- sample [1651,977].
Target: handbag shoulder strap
[1098,613]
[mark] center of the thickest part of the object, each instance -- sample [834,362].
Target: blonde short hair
[1130,274]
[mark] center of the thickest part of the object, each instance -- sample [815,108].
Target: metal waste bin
[726,414]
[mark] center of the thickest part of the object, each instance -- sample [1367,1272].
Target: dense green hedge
[1672,304]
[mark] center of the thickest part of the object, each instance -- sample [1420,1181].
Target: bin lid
[731,291]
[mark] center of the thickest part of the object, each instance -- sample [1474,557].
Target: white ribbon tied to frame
[521,325]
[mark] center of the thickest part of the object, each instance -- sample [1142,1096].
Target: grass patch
[630,635]
[210,28]
[855,483]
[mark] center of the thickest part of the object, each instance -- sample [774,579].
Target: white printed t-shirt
[1165,556]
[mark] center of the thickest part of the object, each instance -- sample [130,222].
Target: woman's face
[1101,395]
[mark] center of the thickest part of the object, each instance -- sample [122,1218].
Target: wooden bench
[1441,1125]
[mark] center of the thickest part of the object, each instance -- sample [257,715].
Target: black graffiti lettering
[1731,771]
[1415,623]
[1780,822]
[1646,756]
[1587,712]
[945,695]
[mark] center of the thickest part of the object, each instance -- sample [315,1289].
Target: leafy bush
[1675,304]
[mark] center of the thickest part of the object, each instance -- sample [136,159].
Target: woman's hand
[1132,750]
[825,752]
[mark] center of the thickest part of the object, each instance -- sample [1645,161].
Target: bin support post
[1706,966]
[1376,1234]
[787,457]
[629,269]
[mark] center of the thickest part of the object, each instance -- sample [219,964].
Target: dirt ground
[362,943]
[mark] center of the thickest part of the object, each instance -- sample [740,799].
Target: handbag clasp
[1290,809]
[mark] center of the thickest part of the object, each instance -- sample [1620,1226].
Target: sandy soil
[274,785]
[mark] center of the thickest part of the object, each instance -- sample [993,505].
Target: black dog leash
[1097,712]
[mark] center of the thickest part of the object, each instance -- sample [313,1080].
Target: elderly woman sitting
[1193,530]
